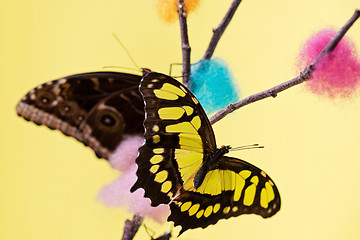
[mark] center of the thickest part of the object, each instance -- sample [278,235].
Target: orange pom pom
[167,9]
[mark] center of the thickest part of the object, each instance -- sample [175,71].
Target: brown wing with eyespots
[96,108]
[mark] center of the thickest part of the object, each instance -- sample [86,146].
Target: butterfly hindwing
[234,188]
[96,108]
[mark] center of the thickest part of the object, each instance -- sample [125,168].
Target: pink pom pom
[118,194]
[126,153]
[337,74]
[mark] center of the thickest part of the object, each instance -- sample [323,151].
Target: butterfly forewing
[96,108]
[175,139]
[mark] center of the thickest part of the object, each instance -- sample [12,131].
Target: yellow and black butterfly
[180,164]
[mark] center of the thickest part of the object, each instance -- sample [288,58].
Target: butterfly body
[210,163]
[96,108]
[179,163]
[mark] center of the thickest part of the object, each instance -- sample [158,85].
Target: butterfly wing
[235,187]
[177,137]
[95,108]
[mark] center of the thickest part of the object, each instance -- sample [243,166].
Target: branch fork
[131,227]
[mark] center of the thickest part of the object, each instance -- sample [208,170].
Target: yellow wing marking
[240,183]
[185,206]
[170,194]
[165,95]
[171,113]
[189,110]
[200,213]
[158,150]
[270,191]
[156,139]
[173,89]
[255,180]
[154,168]
[226,210]
[263,198]
[196,122]
[181,127]
[216,207]
[169,92]
[195,100]
[156,159]
[155,128]
[161,176]
[250,191]
[182,88]
[267,195]
[166,186]
[245,174]
[208,211]
[194,208]
[249,195]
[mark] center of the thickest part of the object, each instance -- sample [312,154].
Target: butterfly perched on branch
[180,164]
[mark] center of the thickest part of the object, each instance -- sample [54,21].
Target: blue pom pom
[213,84]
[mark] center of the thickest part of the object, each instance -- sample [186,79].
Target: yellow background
[49,183]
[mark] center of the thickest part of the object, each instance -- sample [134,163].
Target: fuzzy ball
[118,194]
[213,84]
[126,153]
[337,74]
[167,9]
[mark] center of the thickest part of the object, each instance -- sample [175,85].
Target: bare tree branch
[131,227]
[186,49]
[219,30]
[304,75]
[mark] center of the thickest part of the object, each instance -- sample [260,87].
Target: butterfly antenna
[250,146]
[171,67]
[147,231]
[127,52]
[128,68]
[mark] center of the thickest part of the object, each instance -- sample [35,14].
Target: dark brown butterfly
[96,108]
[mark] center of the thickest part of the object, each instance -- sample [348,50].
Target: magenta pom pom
[337,74]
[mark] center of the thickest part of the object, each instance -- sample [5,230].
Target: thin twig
[304,75]
[219,30]
[186,49]
[131,227]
